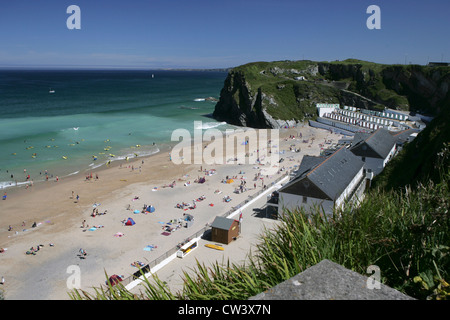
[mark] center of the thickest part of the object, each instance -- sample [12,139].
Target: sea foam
[208,125]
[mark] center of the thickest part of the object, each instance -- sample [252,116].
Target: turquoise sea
[70,121]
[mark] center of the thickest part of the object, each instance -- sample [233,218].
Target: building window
[305,199]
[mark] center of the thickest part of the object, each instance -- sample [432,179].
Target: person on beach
[83,253]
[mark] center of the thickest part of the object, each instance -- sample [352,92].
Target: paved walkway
[253,225]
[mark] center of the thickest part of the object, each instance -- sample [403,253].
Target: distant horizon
[141,68]
[102,68]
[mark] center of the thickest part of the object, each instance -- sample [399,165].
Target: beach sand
[59,219]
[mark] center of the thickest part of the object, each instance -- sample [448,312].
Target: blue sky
[208,34]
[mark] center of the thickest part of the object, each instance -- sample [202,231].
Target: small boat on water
[214,246]
[51,91]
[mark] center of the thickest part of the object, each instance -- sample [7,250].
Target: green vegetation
[296,99]
[418,161]
[286,96]
[259,73]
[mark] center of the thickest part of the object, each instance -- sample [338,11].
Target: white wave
[9,184]
[208,125]
[96,165]
[130,156]
[140,153]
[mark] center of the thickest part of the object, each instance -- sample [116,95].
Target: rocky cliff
[271,94]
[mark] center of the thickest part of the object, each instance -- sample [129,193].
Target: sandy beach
[122,190]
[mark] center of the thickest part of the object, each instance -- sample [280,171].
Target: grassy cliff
[285,90]
[418,161]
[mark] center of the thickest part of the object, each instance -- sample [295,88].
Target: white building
[323,108]
[374,149]
[324,182]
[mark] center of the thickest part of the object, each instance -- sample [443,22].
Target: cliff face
[415,88]
[267,94]
[273,104]
[426,88]
[238,105]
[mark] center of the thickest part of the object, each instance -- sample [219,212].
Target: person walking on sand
[78,197]
[83,253]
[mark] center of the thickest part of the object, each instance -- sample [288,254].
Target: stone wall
[330,281]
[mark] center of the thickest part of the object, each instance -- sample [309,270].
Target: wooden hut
[224,230]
